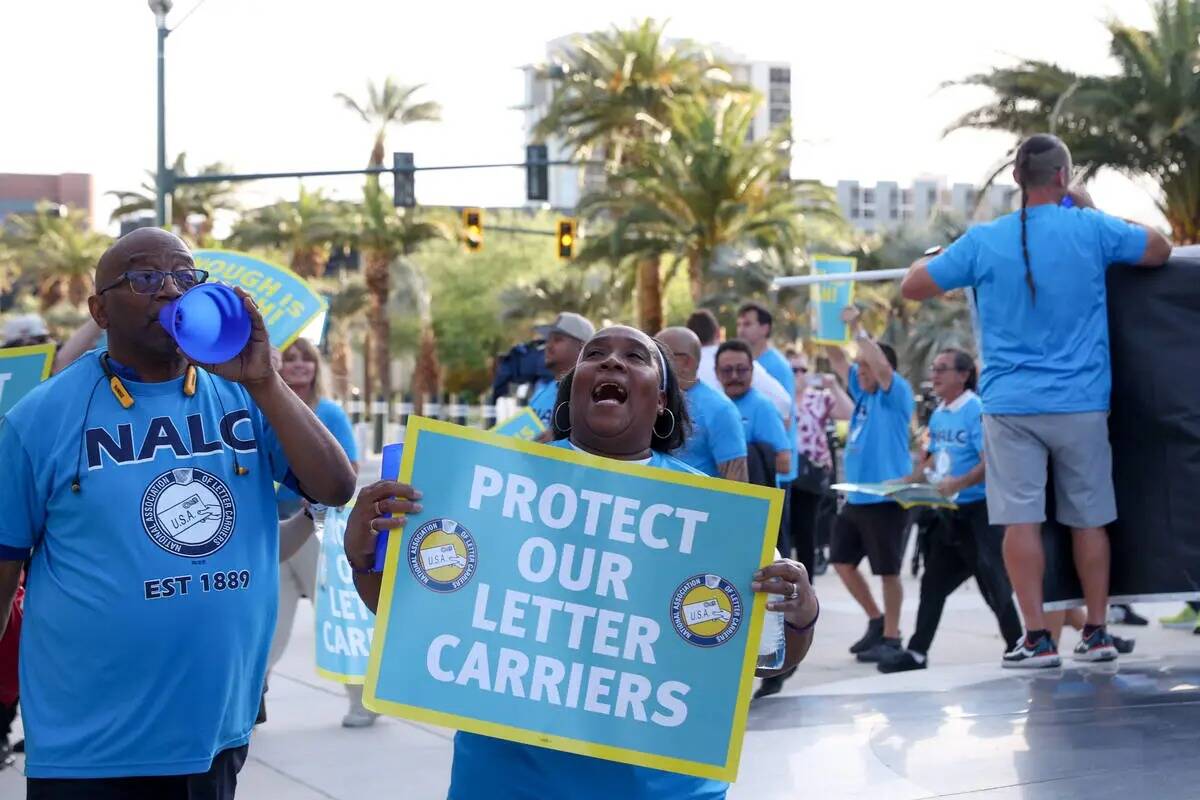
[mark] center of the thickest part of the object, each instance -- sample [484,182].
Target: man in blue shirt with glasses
[141,489]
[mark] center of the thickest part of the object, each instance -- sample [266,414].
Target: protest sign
[287,303]
[21,369]
[568,601]
[526,425]
[344,625]
[828,299]
[908,495]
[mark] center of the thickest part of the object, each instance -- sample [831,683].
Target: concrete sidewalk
[302,753]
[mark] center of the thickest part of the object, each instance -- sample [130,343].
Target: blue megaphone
[209,323]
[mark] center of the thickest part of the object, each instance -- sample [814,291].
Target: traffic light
[566,238]
[405,192]
[473,223]
[537,178]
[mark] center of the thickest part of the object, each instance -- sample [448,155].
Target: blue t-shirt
[761,421]
[956,442]
[152,590]
[717,434]
[496,769]
[777,366]
[336,422]
[1048,356]
[542,402]
[877,445]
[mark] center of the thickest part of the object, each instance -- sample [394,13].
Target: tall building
[20,194]
[887,205]
[773,80]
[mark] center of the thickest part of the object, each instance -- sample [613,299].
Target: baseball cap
[22,327]
[569,324]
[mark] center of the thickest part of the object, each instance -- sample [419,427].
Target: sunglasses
[150,281]
[799,370]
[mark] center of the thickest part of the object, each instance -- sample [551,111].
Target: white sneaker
[359,718]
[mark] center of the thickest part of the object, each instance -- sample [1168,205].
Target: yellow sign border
[527,411]
[724,772]
[46,350]
[816,288]
[323,303]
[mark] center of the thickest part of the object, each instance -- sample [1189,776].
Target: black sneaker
[901,661]
[1097,647]
[886,649]
[773,684]
[872,637]
[1124,646]
[1124,614]
[1039,655]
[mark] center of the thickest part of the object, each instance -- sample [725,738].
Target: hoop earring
[666,435]
[554,418]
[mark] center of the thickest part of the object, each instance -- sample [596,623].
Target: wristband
[809,626]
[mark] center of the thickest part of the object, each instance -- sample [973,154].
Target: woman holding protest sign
[622,401]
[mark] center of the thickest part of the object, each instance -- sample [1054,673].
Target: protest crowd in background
[756,407]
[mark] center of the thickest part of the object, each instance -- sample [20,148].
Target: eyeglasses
[150,281]
[739,371]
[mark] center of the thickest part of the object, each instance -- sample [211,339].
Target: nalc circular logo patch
[706,610]
[442,555]
[188,512]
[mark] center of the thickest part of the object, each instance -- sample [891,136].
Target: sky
[251,83]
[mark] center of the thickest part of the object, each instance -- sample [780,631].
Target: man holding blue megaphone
[139,484]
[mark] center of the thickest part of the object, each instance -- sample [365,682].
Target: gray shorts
[1016,449]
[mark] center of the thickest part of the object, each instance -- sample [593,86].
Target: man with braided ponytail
[1039,281]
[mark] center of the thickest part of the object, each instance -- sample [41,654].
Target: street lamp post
[161,179]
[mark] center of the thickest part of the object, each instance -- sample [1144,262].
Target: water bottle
[772,647]
[318,517]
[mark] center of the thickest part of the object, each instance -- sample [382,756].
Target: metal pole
[870,275]
[160,174]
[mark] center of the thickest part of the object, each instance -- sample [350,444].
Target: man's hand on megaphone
[253,364]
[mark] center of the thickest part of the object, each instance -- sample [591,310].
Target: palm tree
[193,206]
[1140,121]
[387,105]
[56,247]
[385,235]
[347,299]
[708,196]
[305,228]
[609,82]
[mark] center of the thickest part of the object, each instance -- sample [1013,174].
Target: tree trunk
[368,383]
[309,262]
[378,280]
[339,364]
[1181,206]
[427,377]
[696,277]
[649,296]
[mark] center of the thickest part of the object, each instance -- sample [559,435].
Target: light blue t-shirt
[777,366]
[1049,356]
[717,434]
[152,592]
[336,422]
[956,442]
[542,402]
[496,769]
[761,421]
[877,444]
